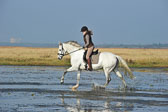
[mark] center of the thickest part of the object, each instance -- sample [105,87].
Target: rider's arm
[87,41]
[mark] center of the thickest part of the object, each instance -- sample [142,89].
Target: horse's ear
[60,43]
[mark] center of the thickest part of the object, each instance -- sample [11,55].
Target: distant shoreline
[53,45]
[29,56]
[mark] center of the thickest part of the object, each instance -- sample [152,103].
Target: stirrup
[90,69]
[86,66]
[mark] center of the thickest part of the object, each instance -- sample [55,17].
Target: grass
[30,56]
[48,56]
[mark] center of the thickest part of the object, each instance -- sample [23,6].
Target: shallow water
[38,89]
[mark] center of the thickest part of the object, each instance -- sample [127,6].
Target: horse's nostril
[59,58]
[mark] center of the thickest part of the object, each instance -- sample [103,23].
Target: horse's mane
[73,43]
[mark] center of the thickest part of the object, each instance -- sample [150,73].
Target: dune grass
[30,56]
[48,56]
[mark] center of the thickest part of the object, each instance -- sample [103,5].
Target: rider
[88,45]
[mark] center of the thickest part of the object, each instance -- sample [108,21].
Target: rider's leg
[89,52]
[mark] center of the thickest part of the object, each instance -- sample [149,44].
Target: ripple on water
[39,89]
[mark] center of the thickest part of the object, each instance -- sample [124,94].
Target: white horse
[108,61]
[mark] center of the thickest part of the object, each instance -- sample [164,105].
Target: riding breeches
[89,52]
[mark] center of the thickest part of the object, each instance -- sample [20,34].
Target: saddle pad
[95,58]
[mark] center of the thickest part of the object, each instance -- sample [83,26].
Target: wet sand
[38,89]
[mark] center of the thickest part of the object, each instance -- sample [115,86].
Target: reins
[72,51]
[68,53]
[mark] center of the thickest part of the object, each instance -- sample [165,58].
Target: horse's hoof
[75,87]
[62,82]
[126,87]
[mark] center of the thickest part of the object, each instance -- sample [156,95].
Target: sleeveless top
[90,44]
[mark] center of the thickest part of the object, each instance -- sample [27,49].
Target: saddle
[93,53]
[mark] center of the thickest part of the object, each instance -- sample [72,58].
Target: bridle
[63,53]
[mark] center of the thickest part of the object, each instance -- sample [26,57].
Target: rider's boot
[89,64]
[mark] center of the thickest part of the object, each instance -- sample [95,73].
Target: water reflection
[94,101]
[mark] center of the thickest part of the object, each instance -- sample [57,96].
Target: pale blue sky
[112,21]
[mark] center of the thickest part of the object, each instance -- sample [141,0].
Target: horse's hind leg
[121,77]
[107,74]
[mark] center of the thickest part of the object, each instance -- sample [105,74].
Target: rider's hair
[90,32]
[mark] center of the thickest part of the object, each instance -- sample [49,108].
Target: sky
[112,21]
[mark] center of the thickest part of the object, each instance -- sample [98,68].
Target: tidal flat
[38,89]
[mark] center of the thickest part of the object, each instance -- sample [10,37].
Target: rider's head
[84,30]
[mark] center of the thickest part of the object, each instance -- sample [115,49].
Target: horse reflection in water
[86,103]
[108,61]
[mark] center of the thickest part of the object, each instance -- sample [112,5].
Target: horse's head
[61,51]
[67,48]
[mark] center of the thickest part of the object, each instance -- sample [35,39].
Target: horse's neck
[74,51]
[70,48]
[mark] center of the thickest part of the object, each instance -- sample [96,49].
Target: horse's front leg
[77,83]
[68,70]
[62,78]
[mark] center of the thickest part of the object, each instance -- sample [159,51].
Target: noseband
[62,52]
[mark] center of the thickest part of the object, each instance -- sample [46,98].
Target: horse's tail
[125,66]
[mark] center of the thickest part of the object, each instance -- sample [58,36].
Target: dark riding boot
[89,64]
